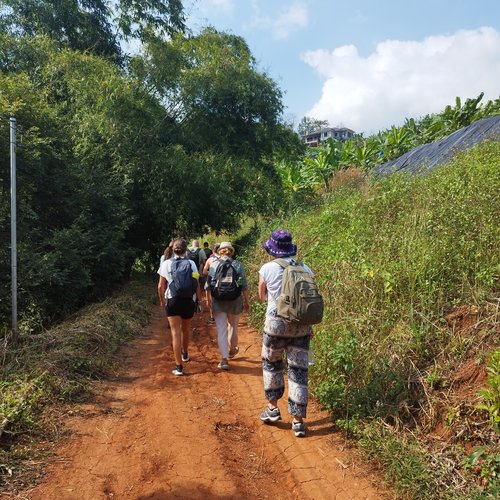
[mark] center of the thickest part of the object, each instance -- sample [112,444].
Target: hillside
[407,357]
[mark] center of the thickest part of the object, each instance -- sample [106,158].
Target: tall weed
[391,257]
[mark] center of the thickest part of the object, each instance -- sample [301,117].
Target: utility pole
[13,226]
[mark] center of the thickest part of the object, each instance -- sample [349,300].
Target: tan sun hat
[226,244]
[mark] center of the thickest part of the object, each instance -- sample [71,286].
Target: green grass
[392,257]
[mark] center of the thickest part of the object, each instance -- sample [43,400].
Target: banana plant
[322,162]
[361,153]
[462,115]
[395,142]
[295,181]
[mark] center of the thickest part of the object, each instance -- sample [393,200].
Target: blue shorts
[181,306]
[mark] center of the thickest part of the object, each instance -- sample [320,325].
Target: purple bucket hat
[280,244]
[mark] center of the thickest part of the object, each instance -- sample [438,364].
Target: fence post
[13,227]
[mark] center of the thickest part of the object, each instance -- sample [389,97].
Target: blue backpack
[183,284]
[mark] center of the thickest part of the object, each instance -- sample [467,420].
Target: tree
[218,105]
[141,18]
[74,174]
[308,125]
[89,25]
[297,184]
[79,24]
[227,104]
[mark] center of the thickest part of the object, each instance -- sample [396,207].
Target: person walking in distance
[208,294]
[196,254]
[228,287]
[282,337]
[207,250]
[182,294]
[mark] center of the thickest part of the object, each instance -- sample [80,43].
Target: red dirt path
[150,435]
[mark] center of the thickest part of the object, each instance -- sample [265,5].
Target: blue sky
[366,64]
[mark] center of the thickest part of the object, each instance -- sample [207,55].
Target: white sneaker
[178,371]
[223,365]
[299,428]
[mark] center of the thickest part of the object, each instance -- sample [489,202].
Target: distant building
[336,133]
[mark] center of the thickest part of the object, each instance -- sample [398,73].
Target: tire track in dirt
[150,435]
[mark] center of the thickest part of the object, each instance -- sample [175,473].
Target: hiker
[208,294]
[206,249]
[167,253]
[182,295]
[282,337]
[228,287]
[197,255]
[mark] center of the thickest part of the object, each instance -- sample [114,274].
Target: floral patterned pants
[296,351]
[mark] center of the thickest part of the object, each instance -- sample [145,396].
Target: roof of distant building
[329,129]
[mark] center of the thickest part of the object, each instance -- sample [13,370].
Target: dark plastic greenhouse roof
[429,156]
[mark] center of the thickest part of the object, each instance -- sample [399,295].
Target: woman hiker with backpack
[208,295]
[167,254]
[182,294]
[286,336]
[228,287]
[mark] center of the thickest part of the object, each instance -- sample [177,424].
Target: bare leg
[176,330]
[186,331]
[209,303]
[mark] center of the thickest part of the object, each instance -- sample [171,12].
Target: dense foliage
[119,153]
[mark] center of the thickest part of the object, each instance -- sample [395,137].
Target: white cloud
[293,18]
[281,24]
[404,78]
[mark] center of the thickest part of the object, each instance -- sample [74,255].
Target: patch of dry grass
[48,370]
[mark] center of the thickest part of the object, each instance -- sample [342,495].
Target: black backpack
[183,284]
[226,285]
[194,255]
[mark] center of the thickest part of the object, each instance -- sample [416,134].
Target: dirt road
[152,435]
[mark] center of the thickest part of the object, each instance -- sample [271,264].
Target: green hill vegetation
[395,258]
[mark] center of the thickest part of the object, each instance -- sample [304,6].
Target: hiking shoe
[223,365]
[270,415]
[178,371]
[233,352]
[211,321]
[185,357]
[299,429]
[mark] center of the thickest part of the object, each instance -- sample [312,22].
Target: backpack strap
[285,263]
[282,263]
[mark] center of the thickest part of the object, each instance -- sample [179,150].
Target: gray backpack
[300,301]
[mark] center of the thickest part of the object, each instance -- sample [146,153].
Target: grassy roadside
[58,366]
[409,267]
